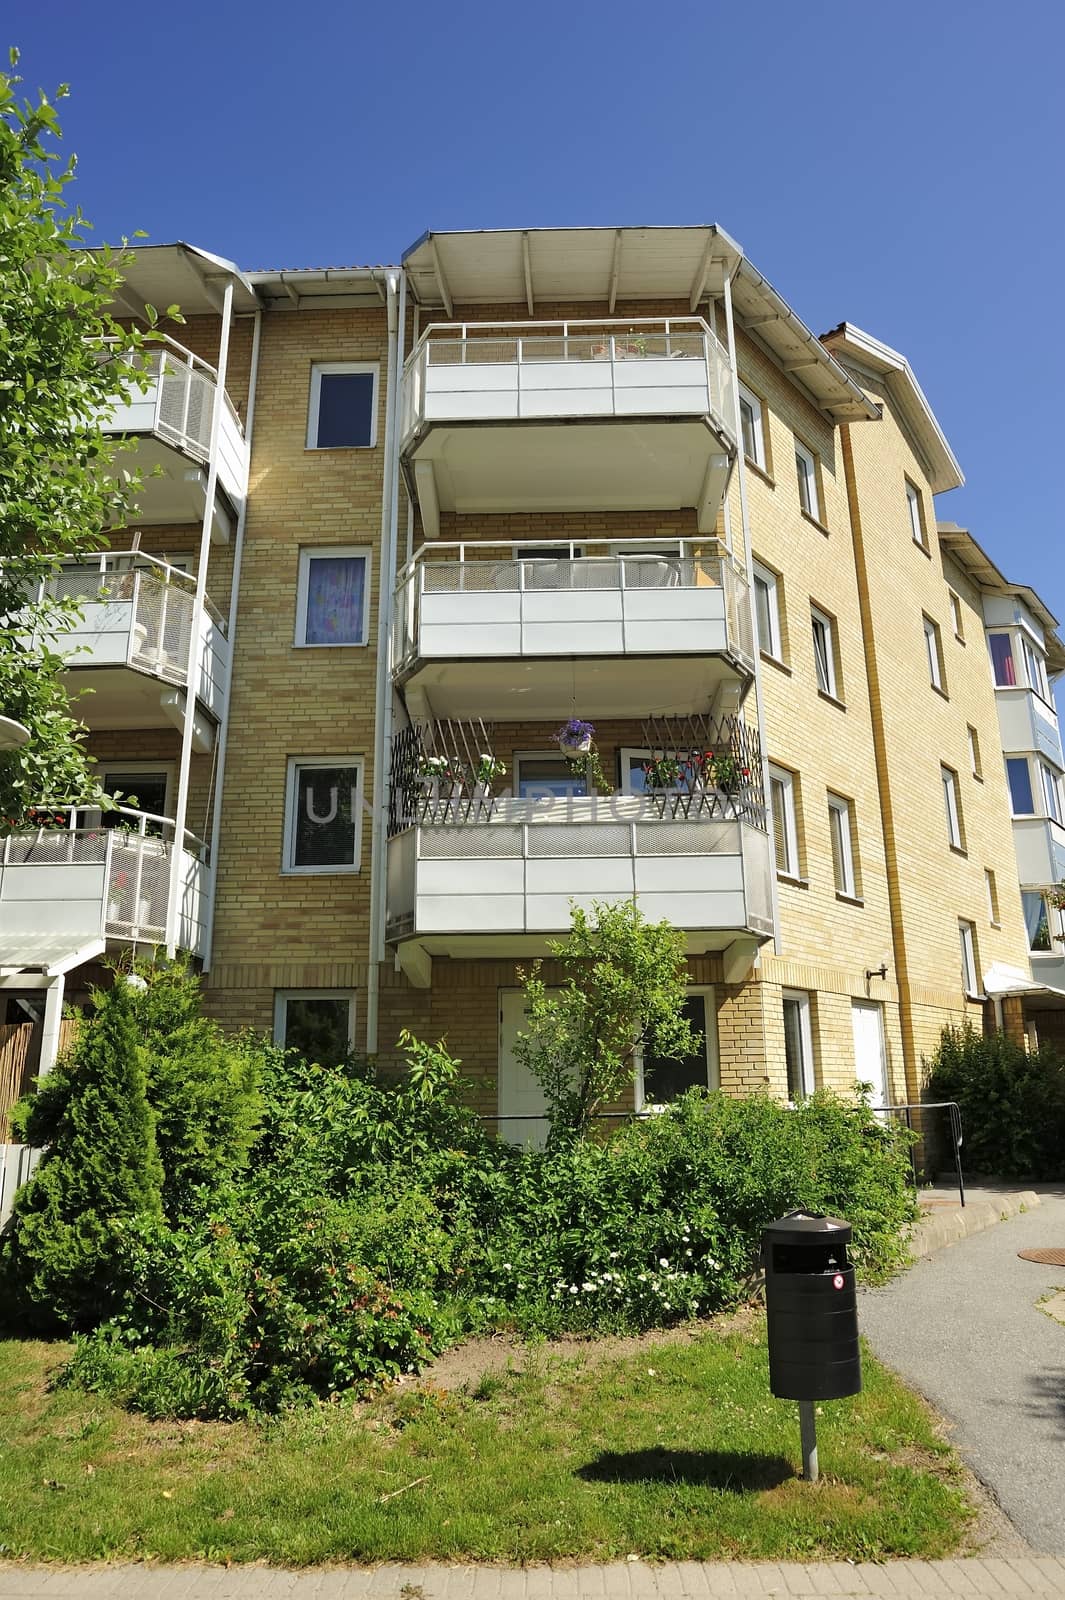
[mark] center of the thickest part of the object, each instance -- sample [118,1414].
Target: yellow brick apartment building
[549,566]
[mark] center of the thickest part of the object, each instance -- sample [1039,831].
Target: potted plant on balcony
[487,769]
[661,773]
[723,772]
[1056,896]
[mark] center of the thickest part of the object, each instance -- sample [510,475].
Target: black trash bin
[811,1308]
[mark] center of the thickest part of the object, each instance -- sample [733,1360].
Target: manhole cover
[1046,1258]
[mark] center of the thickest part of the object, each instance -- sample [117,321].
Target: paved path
[964,1329]
[1041,1578]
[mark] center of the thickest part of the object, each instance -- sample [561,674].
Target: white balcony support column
[748,557]
[416,964]
[53,1017]
[196,633]
[710,496]
[174,704]
[397,311]
[739,960]
[428,500]
[231,633]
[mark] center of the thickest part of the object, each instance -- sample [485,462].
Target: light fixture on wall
[877,972]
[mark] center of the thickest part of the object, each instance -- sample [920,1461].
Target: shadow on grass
[713,1469]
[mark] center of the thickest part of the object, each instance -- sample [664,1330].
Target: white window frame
[295,765]
[786,780]
[954,601]
[841,808]
[952,805]
[915,506]
[967,949]
[1050,789]
[543,755]
[991,884]
[1032,788]
[283,996]
[346,552]
[768,578]
[974,752]
[806,458]
[821,619]
[1035,668]
[319,369]
[710,1051]
[933,651]
[637,753]
[801,1000]
[757,426]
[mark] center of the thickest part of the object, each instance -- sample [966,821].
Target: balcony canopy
[166,274]
[541,267]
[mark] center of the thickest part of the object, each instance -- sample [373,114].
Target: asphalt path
[964,1328]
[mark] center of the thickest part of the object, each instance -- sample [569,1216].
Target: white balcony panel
[577,875]
[696,910]
[457,641]
[480,913]
[1049,969]
[471,607]
[452,877]
[1040,850]
[679,874]
[575,607]
[550,913]
[570,638]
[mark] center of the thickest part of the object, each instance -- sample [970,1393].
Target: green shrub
[1012,1103]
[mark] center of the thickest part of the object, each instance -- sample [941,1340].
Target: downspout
[383,695]
[231,635]
[192,673]
[745,523]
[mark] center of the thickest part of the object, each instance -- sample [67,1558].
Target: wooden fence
[20,1054]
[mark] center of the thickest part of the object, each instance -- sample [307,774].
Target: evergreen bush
[1012,1103]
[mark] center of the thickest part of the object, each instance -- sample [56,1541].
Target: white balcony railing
[647,366]
[519,870]
[479,600]
[138,611]
[69,876]
[177,407]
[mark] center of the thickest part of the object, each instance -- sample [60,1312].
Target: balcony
[70,880]
[1040,845]
[1028,722]
[130,644]
[171,423]
[669,624]
[568,416]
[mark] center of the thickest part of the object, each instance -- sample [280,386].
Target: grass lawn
[678,1451]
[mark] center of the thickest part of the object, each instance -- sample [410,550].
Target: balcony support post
[53,1017]
[195,634]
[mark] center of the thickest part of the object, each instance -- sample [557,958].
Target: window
[967,940]
[785,831]
[767,611]
[1035,669]
[992,896]
[1036,920]
[545,777]
[934,651]
[824,632]
[840,824]
[319,1024]
[798,1045]
[952,799]
[663,1080]
[343,411]
[634,779]
[331,596]
[1002,665]
[752,426]
[806,470]
[915,506]
[323,814]
[1049,783]
[1019,778]
[974,752]
[955,615]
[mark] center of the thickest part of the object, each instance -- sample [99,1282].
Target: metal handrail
[460,332]
[956,1133]
[123,561]
[91,815]
[704,548]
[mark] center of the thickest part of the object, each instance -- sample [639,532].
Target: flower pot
[576,747]
[144,906]
[114,910]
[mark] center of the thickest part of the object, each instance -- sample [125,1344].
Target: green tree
[61,1259]
[63,359]
[623,991]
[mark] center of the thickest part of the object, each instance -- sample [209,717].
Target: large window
[752,426]
[342,414]
[545,777]
[323,814]
[1002,663]
[663,1080]
[785,831]
[915,507]
[319,1024]
[841,830]
[767,611]
[798,1045]
[1036,920]
[934,652]
[1050,784]
[1019,778]
[332,596]
[824,635]
[952,801]
[967,941]
[806,472]
[1035,669]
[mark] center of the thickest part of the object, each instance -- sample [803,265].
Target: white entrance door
[520,1096]
[869,1063]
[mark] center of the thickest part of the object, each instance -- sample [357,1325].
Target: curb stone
[939,1229]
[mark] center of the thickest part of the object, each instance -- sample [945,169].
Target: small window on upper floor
[974,752]
[841,832]
[1036,920]
[785,827]
[1002,663]
[969,963]
[1050,784]
[955,615]
[806,471]
[915,506]
[767,611]
[824,637]
[343,407]
[1019,778]
[752,426]
[1035,668]
[934,651]
[323,814]
[992,897]
[952,801]
[332,595]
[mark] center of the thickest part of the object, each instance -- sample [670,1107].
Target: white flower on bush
[662,1262]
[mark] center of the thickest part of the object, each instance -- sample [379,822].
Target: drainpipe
[383,697]
[745,523]
[192,673]
[231,635]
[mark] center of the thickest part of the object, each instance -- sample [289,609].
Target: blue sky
[896,165]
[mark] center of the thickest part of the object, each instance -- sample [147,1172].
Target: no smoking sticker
[837,1281]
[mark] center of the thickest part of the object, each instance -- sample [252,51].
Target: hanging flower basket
[574,738]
